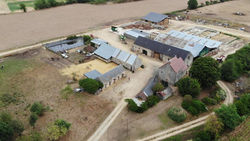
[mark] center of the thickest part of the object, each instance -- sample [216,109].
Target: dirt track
[22,29]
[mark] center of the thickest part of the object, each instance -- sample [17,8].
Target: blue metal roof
[131,59]
[64,45]
[123,56]
[105,51]
[135,33]
[93,74]
[98,41]
[155,17]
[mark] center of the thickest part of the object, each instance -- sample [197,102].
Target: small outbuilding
[92,74]
[112,76]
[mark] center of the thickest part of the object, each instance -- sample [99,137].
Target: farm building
[108,53]
[112,76]
[172,71]
[61,46]
[92,74]
[165,93]
[135,33]
[97,42]
[147,91]
[156,18]
[198,46]
[161,51]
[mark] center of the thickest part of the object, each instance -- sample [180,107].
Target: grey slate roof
[93,74]
[161,48]
[64,45]
[106,77]
[155,17]
[148,88]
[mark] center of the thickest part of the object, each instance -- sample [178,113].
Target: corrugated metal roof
[123,56]
[98,41]
[203,41]
[105,51]
[116,53]
[155,17]
[131,59]
[64,45]
[194,48]
[108,76]
[93,74]
[135,33]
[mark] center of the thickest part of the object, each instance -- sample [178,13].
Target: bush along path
[192,124]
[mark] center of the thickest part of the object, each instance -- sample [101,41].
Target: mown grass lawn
[13,6]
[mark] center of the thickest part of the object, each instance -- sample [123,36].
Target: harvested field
[80,69]
[226,10]
[22,29]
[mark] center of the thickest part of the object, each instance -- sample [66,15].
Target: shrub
[34,136]
[23,7]
[40,4]
[86,39]
[158,87]
[177,114]
[187,98]
[206,71]
[209,101]
[90,85]
[207,2]
[72,37]
[33,118]
[58,129]
[214,126]
[6,132]
[152,100]
[66,92]
[192,4]
[194,107]
[203,136]
[243,105]
[189,85]
[229,116]
[236,64]
[17,126]
[218,94]
[37,108]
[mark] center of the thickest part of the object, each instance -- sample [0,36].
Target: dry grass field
[21,29]
[31,77]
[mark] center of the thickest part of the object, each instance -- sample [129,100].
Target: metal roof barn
[98,41]
[93,74]
[135,33]
[105,51]
[63,45]
[155,17]
[123,56]
[131,59]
